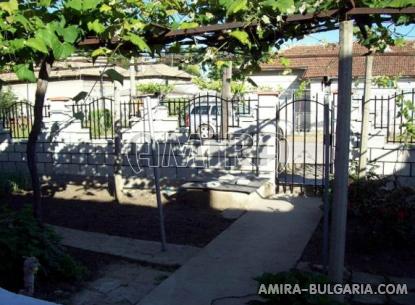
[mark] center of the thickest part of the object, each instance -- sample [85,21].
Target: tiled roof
[318,61]
[76,67]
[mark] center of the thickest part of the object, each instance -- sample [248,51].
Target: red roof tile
[318,61]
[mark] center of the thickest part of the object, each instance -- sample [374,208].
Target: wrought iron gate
[304,143]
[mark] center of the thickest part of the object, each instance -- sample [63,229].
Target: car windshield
[214,110]
[200,110]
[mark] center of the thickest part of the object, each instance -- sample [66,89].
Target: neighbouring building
[77,74]
[312,63]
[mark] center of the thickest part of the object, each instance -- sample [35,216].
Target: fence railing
[18,118]
[96,115]
[132,108]
[395,113]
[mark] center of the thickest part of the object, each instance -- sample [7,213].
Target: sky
[333,36]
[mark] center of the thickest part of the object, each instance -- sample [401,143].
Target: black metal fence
[97,115]
[202,114]
[132,108]
[18,118]
[395,113]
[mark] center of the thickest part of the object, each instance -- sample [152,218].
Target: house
[309,64]
[306,69]
[78,73]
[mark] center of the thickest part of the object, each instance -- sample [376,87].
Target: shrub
[303,279]
[22,236]
[100,122]
[12,183]
[155,88]
[7,98]
[383,216]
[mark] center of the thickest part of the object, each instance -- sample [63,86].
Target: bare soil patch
[189,223]
[385,261]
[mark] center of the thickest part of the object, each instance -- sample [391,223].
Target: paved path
[138,250]
[10,298]
[270,237]
[121,283]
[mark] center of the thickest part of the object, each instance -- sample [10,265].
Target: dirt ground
[83,208]
[386,261]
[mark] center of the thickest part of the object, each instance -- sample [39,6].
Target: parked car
[205,120]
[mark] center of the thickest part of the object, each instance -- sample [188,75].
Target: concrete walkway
[138,250]
[270,237]
[10,298]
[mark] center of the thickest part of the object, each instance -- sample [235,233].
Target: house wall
[70,88]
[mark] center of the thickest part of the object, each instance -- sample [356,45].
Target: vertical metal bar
[376,108]
[326,168]
[112,115]
[388,120]
[190,124]
[216,119]
[156,175]
[98,119]
[304,142]
[89,120]
[277,147]
[28,126]
[381,112]
[92,116]
[231,112]
[286,144]
[412,112]
[16,120]
[394,119]
[257,141]
[333,143]
[208,116]
[400,125]
[293,145]
[200,115]
[315,146]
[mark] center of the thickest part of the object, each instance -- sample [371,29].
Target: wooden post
[364,131]
[118,183]
[341,166]
[155,161]
[226,96]
[133,89]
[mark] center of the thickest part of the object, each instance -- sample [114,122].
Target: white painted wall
[70,88]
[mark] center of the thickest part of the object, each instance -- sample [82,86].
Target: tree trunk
[42,85]
[364,132]
[226,95]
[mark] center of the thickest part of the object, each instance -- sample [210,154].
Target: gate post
[277,148]
[326,166]
[339,210]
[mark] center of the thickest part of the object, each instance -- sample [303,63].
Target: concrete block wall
[385,158]
[65,149]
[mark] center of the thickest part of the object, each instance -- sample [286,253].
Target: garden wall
[386,158]
[66,150]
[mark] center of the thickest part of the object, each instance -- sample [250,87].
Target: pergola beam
[212,31]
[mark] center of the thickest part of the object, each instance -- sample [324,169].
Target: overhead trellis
[216,34]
